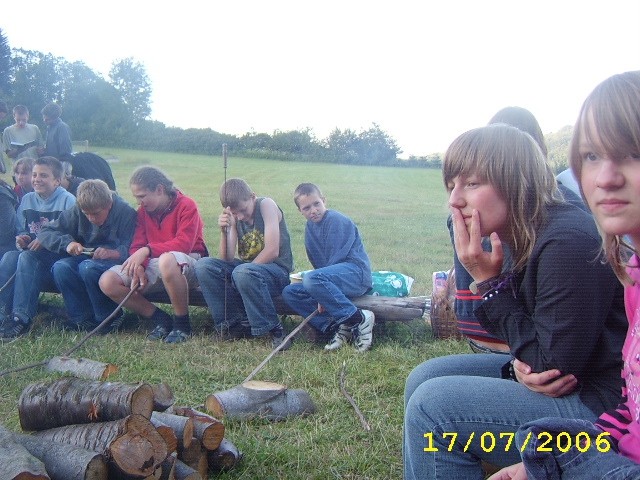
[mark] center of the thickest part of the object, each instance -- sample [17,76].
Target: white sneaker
[342,336]
[363,333]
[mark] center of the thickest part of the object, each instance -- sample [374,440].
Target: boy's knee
[109,281]
[207,267]
[168,265]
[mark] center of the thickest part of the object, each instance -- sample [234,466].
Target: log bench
[401,309]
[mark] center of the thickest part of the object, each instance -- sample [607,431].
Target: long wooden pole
[281,346]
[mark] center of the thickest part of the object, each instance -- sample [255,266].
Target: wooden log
[168,435]
[70,401]
[196,457]
[180,424]
[385,308]
[82,367]
[185,472]
[169,467]
[16,463]
[163,397]
[132,444]
[209,430]
[225,457]
[63,461]
[260,399]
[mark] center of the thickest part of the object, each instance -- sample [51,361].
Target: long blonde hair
[512,162]
[610,118]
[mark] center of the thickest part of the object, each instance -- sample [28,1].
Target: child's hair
[610,120]
[51,110]
[93,195]
[234,191]
[24,162]
[53,163]
[522,119]
[150,177]
[305,189]
[511,161]
[20,110]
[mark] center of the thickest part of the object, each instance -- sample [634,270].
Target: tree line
[114,112]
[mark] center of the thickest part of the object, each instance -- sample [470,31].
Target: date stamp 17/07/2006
[488,441]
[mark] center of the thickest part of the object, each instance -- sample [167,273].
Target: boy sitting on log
[240,291]
[166,244]
[342,271]
[89,239]
[25,272]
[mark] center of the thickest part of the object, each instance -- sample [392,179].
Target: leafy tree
[5,65]
[558,148]
[130,79]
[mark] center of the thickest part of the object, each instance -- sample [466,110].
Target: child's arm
[271,215]
[228,235]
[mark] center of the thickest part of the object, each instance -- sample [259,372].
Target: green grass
[401,215]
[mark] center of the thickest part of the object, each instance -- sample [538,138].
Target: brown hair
[512,162]
[609,120]
[306,189]
[234,191]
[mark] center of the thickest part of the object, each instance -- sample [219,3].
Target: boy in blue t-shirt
[342,271]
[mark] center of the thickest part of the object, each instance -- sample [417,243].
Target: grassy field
[401,215]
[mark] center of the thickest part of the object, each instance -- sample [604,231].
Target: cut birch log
[224,458]
[209,430]
[63,461]
[256,398]
[196,457]
[162,397]
[16,463]
[82,367]
[168,435]
[71,401]
[181,425]
[185,472]
[131,444]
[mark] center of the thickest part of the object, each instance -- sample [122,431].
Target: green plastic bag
[390,284]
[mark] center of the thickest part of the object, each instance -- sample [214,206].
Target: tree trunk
[70,401]
[131,444]
[63,461]
[16,462]
[181,425]
[260,399]
[207,429]
[82,367]
[185,472]
[224,458]
[162,397]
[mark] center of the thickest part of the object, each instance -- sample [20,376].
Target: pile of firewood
[90,429]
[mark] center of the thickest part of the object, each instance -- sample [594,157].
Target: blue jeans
[8,266]
[77,279]
[592,462]
[464,394]
[330,287]
[250,291]
[33,275]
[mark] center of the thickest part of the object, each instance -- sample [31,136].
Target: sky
[425,71]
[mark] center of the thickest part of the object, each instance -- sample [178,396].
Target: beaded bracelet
[493,283]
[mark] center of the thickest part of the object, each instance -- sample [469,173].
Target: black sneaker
[234,332]
[158,333]
[277,337]
[12,329]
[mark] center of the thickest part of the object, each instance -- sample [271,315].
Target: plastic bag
[390,284]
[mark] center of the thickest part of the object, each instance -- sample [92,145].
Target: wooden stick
[343,390]
[282,344]
[77,345]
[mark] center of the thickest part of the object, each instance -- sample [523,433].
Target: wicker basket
[443,317]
